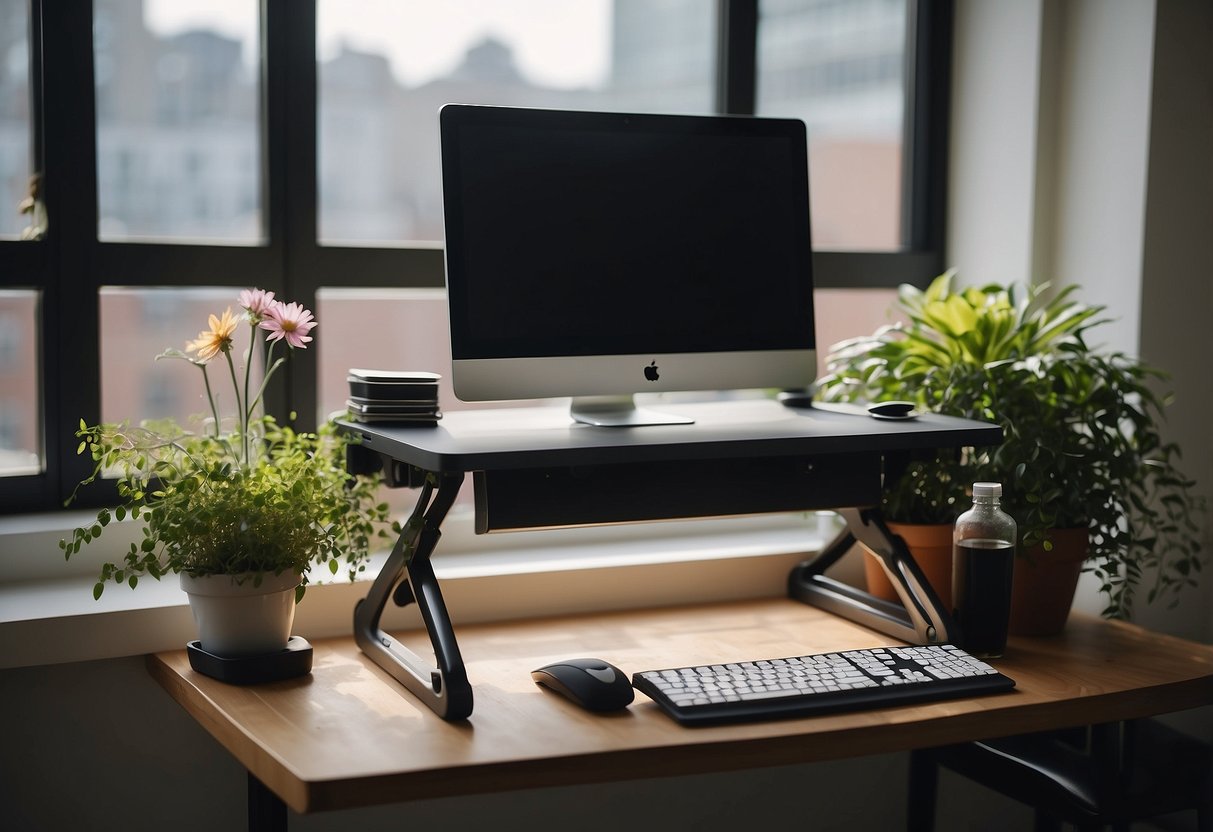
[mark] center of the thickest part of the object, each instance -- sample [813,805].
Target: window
[22,224]
[840,68]
[177,95]
[20,433]
[16,117]
[291,145]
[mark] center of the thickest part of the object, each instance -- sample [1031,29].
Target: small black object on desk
[890,410]
[795,398]
[591,683]
[394,397]
[293,660]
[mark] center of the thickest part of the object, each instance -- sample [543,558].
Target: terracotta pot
[931,546]
[236,618]
[1042,588]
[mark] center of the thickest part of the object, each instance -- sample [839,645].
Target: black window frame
[70,265]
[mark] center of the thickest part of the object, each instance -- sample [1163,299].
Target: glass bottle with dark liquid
[983,556]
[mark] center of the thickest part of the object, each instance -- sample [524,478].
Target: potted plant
[242,507]
[1082,461]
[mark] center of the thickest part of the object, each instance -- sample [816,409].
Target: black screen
[597,234]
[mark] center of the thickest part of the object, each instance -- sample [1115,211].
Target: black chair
[1103,775]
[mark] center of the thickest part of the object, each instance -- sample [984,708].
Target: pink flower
[290,321]
[256,302]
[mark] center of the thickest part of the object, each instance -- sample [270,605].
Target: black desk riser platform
[535,468]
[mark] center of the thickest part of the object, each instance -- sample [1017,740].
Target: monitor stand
[619,412]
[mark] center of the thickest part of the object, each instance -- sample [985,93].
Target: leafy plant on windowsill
[1082,443]
[242,497]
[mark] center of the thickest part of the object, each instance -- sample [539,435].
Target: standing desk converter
[535,468]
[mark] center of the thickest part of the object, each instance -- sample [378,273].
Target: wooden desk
[349,735]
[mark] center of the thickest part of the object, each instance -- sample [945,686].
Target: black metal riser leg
[921,619]
[445,688]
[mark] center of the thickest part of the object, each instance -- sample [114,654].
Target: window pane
[386,68]
[839,65]
[15,144]
[139,324]
[849,313]
[20,426]
[178,134]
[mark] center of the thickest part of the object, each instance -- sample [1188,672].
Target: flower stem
[210,397]
[248,368]
[231,366]
[265,380]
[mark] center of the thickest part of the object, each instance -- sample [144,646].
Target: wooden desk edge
[733,754]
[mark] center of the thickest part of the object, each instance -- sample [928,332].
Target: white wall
[1177,257]
[1081,142]
[993,147]
[1051,104]
[1100,147]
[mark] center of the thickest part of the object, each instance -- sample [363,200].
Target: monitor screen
[602,255]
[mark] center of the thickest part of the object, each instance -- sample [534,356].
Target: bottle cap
[987,489]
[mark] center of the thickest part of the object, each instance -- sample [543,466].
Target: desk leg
[408,576]
[266,811]
[921,618]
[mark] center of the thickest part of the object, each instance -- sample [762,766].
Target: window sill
[51,620]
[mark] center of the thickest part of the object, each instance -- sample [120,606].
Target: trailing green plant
[251,499]
[1082,443]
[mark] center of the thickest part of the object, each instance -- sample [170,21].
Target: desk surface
[349,735]
[487,440]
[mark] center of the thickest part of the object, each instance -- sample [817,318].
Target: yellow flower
[217,339]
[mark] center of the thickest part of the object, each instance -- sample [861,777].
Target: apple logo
[650,372]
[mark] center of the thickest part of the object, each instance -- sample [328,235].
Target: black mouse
[892,410]
[591,683]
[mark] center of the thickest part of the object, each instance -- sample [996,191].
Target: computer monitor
[602,255]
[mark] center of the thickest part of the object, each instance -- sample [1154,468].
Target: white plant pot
[238,619]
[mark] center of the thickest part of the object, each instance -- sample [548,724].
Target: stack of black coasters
[393,397]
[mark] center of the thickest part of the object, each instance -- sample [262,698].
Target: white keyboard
[807,685]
